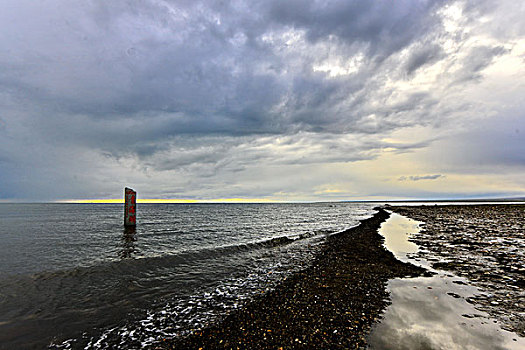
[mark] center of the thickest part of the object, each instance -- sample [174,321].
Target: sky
[262,100]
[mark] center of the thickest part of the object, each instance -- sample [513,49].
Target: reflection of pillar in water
[128,242]
[130,207]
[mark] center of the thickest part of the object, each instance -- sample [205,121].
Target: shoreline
[332,303]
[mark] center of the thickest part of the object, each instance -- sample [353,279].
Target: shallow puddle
[397,231]
[432,312]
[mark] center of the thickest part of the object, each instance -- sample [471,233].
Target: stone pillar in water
[130,207]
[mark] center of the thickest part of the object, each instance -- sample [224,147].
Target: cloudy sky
[267,100]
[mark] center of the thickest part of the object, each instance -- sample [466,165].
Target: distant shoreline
[519,200]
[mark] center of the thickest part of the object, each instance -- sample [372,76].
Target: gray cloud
[478,58]
[420,177]
[216,66]
[488,145]
[384,27]
[422,56]
[206,90]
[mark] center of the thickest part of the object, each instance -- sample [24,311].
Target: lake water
[72,277]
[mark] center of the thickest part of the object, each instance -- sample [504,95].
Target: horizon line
[265,200]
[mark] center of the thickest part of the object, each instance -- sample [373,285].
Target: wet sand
[432,312]
[331,304]
[486,245]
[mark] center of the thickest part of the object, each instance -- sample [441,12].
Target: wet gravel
[329,305]
[484,243]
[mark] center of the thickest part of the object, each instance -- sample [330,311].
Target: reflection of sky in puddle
[431,312]
[397,231]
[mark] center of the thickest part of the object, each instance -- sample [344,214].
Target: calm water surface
[72,277]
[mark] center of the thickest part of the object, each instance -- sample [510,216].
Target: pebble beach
[336,301]
[331,304]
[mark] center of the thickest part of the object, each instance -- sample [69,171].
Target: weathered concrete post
[130,207]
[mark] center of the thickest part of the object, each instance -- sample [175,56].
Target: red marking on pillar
[130,207]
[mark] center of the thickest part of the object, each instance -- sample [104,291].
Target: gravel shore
[331,304]
[484,243]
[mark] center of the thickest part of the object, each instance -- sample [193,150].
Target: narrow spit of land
[331,304]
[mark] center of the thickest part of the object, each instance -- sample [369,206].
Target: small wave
[148,262]
[21,295]
[208,304]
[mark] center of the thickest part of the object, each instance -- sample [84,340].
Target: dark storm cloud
[169,68]
[209,62]
[383,26]
[205,87]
